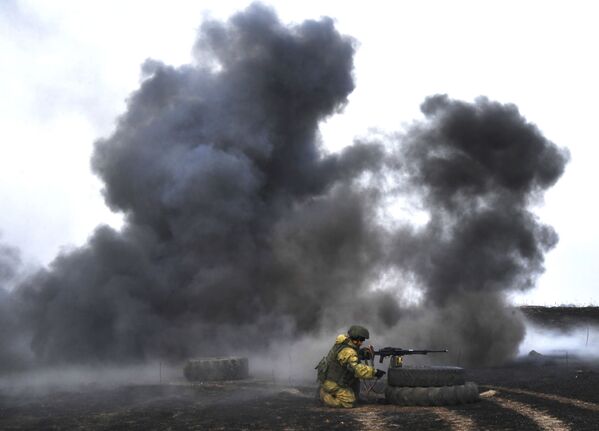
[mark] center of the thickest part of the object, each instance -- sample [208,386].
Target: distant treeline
[561,316]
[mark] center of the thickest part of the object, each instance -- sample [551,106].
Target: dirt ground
[539,393]
[528,396]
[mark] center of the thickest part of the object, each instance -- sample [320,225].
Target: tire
[432,396]
[209,369]
[425,376]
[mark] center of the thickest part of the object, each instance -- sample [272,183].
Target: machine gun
[396,351]
[396,354]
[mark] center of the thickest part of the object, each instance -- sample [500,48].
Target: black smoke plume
[477,168]
[241,232]
[10,267]
[10,261]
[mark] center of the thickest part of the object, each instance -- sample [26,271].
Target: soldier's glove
[379,374]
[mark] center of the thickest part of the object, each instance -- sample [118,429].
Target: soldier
[339,372]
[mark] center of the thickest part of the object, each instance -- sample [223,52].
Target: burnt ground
[527,397]
[536,394]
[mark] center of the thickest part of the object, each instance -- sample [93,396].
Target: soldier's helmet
[358,332]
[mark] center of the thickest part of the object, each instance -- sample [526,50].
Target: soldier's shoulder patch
[340,338]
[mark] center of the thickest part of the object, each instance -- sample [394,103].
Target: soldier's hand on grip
[365,353]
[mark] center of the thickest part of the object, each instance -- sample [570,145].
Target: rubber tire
[433,396]
[425,376]
[210,369]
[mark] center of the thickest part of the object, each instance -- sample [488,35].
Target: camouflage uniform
[339,374]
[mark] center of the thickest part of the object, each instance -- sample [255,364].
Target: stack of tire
[210,369]
[429,386]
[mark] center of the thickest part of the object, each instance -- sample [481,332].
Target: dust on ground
[526,396]
[534,393]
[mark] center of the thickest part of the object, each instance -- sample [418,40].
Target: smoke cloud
[477,169]
[10,261]
[10,268]
[241,233]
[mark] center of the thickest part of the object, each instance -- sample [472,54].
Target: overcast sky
[68,67]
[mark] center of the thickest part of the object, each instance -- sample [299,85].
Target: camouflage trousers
[333,395]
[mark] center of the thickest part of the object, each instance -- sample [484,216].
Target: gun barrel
[392,351]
